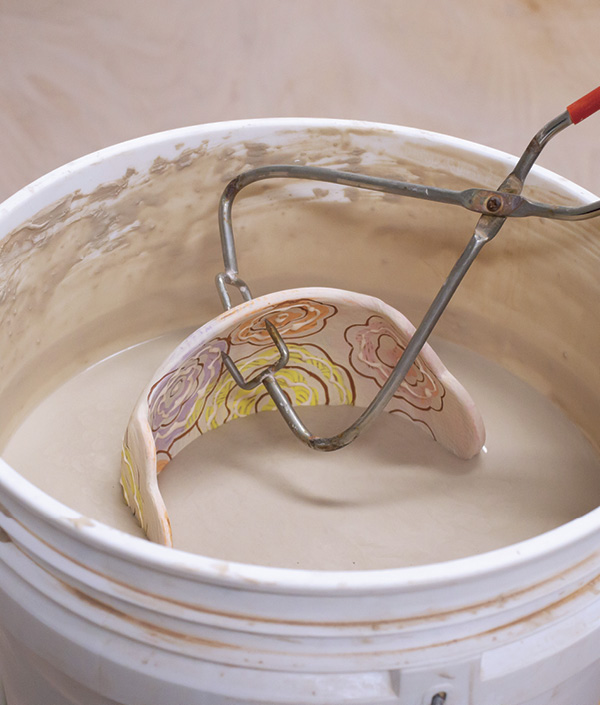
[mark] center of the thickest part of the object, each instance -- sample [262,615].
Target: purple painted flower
[173,398]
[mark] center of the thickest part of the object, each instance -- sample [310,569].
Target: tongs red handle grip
[584,107]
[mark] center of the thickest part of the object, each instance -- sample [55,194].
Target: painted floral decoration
[376,347]
[173,398]
[293,319]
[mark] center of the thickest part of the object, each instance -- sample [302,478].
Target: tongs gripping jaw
[259,378]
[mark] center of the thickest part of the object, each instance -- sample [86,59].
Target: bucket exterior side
[68,640]
[90,615]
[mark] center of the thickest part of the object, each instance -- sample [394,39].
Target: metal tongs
[495,207]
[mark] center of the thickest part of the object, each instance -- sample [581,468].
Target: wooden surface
[77,76]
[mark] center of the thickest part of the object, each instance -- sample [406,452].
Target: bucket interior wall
[136,256]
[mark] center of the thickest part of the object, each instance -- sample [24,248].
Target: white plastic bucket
[92,616]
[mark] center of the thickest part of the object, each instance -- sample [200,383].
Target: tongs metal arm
[472,199]
[479,200]
[495,207]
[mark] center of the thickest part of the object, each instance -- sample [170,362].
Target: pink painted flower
[376,347]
